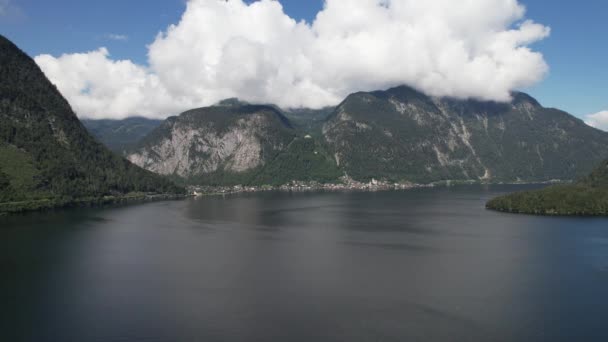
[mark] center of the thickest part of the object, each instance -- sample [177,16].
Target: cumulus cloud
[598,120]
[219,49]
[99,87]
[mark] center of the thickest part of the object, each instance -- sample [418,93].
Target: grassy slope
[19,169]
[304,160]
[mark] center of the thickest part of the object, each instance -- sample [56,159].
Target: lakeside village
[347,184]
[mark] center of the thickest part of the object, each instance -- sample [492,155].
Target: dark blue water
[422,265]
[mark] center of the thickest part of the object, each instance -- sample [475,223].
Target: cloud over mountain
[598,120]
[221,49]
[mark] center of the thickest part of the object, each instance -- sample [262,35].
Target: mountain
[304,119]
[47,158]
[119,135]
[308,120]
[233,143]
[398,135]
[401,134]
[588,197]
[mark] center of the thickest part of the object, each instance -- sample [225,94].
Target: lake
[419,265]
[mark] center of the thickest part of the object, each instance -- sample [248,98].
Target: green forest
[46,155]
[588,197]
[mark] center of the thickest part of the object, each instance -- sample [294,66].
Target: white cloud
[118,37]
[98,87]
[598,120]
[220,49]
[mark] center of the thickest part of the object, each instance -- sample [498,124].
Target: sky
[119,58]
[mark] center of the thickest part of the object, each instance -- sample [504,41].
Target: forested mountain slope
[46,154]
[234,143]
[401,134]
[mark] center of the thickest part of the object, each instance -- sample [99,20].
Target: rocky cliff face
[229,139]
[398,135]
[401,134]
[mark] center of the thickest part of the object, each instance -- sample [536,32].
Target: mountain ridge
[402,134]
[233,144]
[120,134]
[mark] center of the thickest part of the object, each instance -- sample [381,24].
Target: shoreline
[194,191]
[347,186]
[9,208]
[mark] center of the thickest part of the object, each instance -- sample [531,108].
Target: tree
[5,182]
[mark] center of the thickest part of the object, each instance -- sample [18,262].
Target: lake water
[420,265]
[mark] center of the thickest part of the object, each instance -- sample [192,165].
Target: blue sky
[575,51]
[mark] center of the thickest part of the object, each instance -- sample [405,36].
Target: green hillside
[402,134]
[120,135]
[588,197]
[46,154]
[234,143]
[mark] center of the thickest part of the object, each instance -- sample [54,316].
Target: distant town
[347,184]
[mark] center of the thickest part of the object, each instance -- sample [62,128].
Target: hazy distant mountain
[589,196]
[304,119]
[233,143]
[119,135]
[45,153]
[402,134]
[308,120]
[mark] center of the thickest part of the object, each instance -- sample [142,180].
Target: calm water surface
[422,265]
